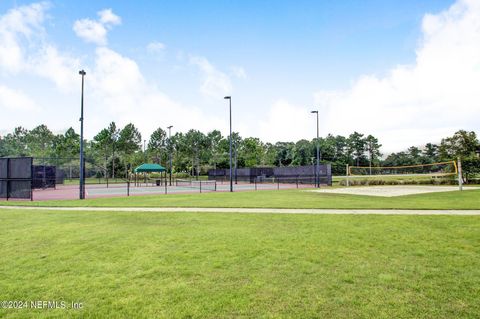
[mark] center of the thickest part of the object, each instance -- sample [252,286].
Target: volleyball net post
[460,177]
[346,174]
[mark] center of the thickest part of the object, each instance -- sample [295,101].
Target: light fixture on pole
[317,168]
[170,150]
[229,98]
[82,157]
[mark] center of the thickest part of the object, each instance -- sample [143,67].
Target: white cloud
[24,49]
[96,31]
[239,72]
[107,17]
[286,122]
[91,31]
[15,100]
[155,47]
[115,88]
[16,25]
[422,102]
[58,67]
[216,84]
[120,88]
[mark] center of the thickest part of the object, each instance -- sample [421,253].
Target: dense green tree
[105,144]
[285,153]
[327,148]
[117,167]
[214,138]
[462,144]
[40,141]
[102,144]
[180,159]
[194,144]
[129,141]
[302,153]
[157,145]
[398,159]
[195,152]
[430,153]
[224,151]
[3,147]
[415,153]
[357,146]
[373,149]
[270,155]
[16,143]
[67,146]
[252,151]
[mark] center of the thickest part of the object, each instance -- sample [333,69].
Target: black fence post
[31,181]
[44,177]
[8,178]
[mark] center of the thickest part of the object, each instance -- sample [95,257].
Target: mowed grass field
[187,265]
[467,199]
[214,265]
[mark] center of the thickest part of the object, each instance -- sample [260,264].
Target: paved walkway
[257,210]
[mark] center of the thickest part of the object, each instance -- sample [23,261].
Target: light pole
[236,163]
[82,159]
[229,98]
[317,169]
[144,152]
[170,151]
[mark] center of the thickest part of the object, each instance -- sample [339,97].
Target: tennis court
[178,187]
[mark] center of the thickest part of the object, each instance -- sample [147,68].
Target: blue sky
[175,60]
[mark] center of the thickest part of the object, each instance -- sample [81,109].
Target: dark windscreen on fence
[44,176]
[3,167]
[20,167]
[286,174]
[16,177]
[3,189]
[20,189]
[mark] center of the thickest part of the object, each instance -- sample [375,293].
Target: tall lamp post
[82,159]
[317,169]
[144,152]
[170,151]
[229,98]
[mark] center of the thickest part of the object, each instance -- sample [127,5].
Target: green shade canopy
[149,168]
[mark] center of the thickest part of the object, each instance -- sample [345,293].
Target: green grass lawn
[280,199]
[186,265]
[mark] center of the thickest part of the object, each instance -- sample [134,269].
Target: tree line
[194,152]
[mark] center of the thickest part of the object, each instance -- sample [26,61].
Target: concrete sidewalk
[256,210]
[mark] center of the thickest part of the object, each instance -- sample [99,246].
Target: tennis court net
[200,185]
